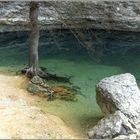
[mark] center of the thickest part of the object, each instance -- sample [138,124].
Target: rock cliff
[97,14]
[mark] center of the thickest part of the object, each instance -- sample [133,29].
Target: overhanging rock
[96,14]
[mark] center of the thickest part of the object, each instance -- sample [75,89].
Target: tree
[33,67]
[34,37]
[33,70]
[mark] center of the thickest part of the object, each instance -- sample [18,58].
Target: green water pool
[63,55]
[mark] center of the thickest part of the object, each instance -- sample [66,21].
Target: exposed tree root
[31,72]
[42,72]
[39,86]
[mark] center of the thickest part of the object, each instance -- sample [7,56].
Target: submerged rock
[33,88]
[40,87]
[39,81]
[66,93]
[119,99]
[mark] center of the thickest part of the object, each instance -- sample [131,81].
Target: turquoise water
[61,53]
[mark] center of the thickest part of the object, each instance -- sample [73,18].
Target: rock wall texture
[119,99]
[98,14]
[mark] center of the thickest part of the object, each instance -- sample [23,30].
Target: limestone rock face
[119,99]
[112,126]
[119,92]
[98,14]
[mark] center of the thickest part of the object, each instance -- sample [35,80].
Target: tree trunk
[34,37]
[33,68]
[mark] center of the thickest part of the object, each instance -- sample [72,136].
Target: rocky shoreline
[20,118]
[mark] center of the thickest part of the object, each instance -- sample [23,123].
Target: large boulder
[119,99]
[119,92]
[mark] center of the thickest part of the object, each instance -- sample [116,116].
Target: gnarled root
[42,73]
[31,72]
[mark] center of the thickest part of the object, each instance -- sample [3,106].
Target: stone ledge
[97,14]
